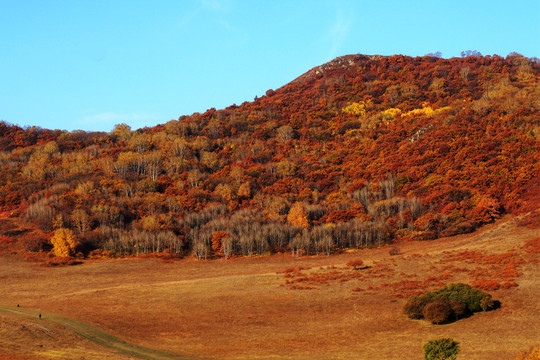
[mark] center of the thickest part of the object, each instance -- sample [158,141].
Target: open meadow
[276,307]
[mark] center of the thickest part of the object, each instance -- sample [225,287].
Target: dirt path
[91,333]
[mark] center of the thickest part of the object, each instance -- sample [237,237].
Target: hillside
[275,307]
[357,152]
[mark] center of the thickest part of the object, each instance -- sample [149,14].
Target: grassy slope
[242,308]
[87,331]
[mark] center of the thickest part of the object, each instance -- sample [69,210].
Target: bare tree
[81,220]
[464,73]
[194,176]
[416,207]
[285,133]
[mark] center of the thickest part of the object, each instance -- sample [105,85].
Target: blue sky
[92,64]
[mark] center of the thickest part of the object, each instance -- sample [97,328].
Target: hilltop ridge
[344,62]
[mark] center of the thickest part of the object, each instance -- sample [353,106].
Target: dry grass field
[279,307]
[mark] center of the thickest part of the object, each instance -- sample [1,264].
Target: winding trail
[91,333]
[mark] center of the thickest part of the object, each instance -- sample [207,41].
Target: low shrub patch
[441,349]
[450,303]
[62,261]
[438,312]
[356,264]
[415,306]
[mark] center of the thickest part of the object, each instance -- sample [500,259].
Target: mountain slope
[355,152]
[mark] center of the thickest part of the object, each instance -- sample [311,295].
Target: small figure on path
[39,316]
[17,305]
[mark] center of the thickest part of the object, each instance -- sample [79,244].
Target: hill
[357,152]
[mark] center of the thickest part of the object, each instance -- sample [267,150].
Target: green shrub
[487,303]
[441,349]
[463,293]
[454,301]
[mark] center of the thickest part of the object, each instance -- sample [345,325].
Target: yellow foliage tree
[390,113]
[123,131]
[226,191]
[245,190]
[358,109]
[298,215]
[150,223]
[64,242]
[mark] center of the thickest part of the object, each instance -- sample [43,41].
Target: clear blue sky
[92,64]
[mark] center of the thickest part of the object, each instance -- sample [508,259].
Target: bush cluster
[441,349]
[355,264]
[450,303]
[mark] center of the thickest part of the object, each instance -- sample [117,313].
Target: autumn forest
[355,153]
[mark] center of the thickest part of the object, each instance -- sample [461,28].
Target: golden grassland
[277,307]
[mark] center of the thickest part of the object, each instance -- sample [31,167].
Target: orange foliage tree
[217,238]
[64,242]
[298,216]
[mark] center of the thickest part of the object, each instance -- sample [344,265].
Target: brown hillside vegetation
[295,226]
[283,307]
[358,152]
